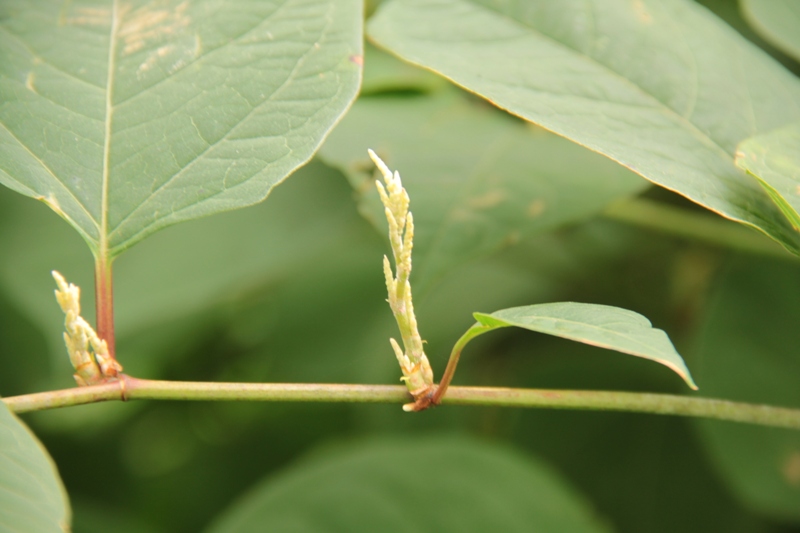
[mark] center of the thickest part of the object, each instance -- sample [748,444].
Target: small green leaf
[777,21]
[598,325]
[774,159]
[422,485]
[664,88]
[126,117]
[32,497]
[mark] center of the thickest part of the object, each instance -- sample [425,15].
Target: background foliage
[507,214]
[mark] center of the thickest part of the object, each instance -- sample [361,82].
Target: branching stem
[128,388]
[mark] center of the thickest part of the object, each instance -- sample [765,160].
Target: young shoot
[88,353]
[417,373]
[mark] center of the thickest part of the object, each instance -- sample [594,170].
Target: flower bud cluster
[417,373]
[88,353]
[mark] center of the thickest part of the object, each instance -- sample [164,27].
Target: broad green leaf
[479,179]
[32,497]
[598,325]
[747,351]
[778,21]
[420,485]
[774,159]
[128,117]
[664,88]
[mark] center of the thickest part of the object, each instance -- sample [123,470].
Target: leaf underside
[664,88]
[774,159]
[127,117]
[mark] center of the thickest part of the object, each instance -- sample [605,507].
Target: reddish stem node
[104,304]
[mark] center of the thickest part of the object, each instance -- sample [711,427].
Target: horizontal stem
[128,388]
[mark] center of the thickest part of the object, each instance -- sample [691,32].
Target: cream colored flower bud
[417,372]
[87,352]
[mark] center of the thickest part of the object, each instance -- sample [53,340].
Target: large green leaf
[32,498]
[478,178]
[774,159]
[778,21]
[664,88]
[747,351]
[598,325]
[425,484]
[127,117]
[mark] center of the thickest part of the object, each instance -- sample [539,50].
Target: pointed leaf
[479,179]
[774,159]
[128,117]
[425,484]
[665,88]
[599,325]
[32,497]
[778,21]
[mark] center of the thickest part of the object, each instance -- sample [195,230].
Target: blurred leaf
[598,325]
[32,497]
[23,351]
[747,351]
[425,484]
[665,89]
[774,159]
[478,179]
[646,473]
[128,118]
[384,73]
[778,21]
[99,517]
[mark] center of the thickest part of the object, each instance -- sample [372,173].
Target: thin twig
[128,388]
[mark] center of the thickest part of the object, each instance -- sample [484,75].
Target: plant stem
[698,226]
[104,303]
[452,363]
[128,388]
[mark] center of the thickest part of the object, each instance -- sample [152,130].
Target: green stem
[455,355]
[128,388]
[698,226]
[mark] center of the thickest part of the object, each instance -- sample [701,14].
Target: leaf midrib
[112,52]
